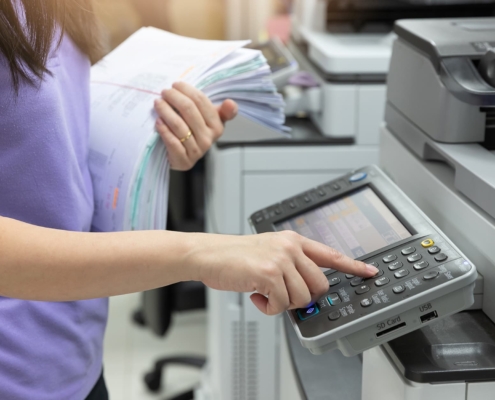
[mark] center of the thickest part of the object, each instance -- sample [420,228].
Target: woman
[55,275]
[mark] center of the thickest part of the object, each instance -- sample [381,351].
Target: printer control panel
[404,271]
[422,274]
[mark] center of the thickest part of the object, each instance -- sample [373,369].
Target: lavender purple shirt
[48,351]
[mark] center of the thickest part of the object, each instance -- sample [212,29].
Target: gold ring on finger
[188,136]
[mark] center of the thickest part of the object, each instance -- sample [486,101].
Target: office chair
[186,214]
[156,314]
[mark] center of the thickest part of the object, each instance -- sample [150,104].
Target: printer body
[350,62]
[437,144]
[346,46]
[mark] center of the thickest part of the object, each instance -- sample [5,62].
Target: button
[259,219]
[374,264]
[434,250]
[414,258]
[292,205]
[306,313]
[382,281]
[336,186]
[421,265]
[427,243]
[334,316]
[441,257]
[399,289]
[378,274]
[278,211]
[395,266]
[431,275]
[389,258]
[362,289]
[334,299]
[358,177]
[307,199]
[356,281]
[408,250]
[401,274]
[366,302]
[321,192]
[349,276]
[334,281]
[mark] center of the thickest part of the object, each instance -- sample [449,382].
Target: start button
[427,243]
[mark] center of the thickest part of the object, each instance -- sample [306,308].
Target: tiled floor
[131,350]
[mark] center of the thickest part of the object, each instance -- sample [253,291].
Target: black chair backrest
[159,304]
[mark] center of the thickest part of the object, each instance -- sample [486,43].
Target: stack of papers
[127,159]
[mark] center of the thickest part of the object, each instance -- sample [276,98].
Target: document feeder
[422,275]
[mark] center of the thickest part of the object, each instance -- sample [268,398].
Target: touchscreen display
[357,224]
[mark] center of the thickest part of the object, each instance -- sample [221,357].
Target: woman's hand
[281,268]
[189,123]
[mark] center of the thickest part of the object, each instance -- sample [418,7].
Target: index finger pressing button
[356,281]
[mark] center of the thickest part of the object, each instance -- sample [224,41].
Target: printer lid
[349,53]
[442,38]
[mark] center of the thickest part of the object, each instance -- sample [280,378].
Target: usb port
[429,317]
[394,328]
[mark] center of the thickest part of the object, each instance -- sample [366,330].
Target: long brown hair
[27,29]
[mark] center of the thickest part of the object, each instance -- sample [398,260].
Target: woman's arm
[51,265]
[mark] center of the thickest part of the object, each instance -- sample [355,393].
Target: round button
[395,265]
[431,275]
[358,177]
[434,250]
[334,316]
[362,289]
[427,243]
[441,257]
[334,281]
[378,274]
[399,289]
[366,302]
[356,281]
[388,259]
[421,265]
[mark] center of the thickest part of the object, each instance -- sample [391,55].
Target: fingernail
[371,269]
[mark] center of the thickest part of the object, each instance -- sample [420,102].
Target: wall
[203,19]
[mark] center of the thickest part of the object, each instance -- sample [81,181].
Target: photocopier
[346,47]
[438,146]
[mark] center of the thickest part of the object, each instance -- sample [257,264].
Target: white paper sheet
[127,159]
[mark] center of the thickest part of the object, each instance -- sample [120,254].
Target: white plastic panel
[350,53]
[480,391]
[308,158]
[339,111]
[471,229]
[382,381]
[223,191]
[371,106]
[288,378]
